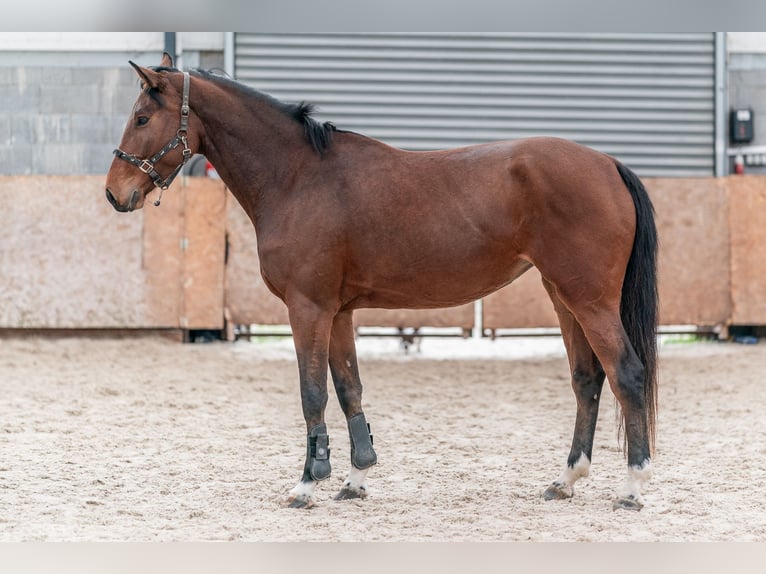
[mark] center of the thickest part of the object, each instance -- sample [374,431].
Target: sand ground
[143,439]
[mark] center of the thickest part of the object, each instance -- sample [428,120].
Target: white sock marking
[357,480]
[303,490]
[637,478]
[581,469]
[571,475]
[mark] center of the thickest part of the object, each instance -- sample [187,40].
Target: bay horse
[344,221]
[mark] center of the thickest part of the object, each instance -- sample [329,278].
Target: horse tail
[639,307]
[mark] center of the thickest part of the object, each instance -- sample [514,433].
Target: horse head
[161,135]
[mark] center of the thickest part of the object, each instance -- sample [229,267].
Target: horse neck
[254,146]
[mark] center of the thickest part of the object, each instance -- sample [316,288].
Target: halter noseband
[147,165]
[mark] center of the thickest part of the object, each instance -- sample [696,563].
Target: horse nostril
[111,198]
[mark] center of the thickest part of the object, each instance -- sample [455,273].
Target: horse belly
[437,284]
[449,251]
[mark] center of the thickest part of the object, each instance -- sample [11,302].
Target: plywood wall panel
[67,258]
[69,261]
[247,298]
[204,250]
[747,210]
[694,258]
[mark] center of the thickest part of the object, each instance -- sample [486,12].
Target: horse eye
[142,120]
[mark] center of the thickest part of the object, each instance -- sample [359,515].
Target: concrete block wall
[66,120]
[62,120]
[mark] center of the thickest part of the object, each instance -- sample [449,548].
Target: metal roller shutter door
[648,99]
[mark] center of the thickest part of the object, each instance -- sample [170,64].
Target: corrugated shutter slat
[645,98]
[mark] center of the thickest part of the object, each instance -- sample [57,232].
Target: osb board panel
[693,262]
[461,316]
[693,265]
[747,212]
[204,219]
[246,296]
[69,260]
[523,304]
[163,257]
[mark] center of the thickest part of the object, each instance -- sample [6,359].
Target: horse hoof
[348,493]
[627,503]
[300,501]
[557,491]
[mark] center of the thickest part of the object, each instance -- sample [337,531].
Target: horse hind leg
[587,382]
[601,324]
[603,327]
[628,388]
[627,378]
[348,387]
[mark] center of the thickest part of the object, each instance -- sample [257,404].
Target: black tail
[639,308]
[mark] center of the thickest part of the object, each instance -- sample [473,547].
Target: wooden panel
[693,265]
[523,304]
[68,259]
[461,316]
[747,216]
[204,250]
[163,258]
[248,300]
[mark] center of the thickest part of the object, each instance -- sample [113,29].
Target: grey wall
[65,118]
[62,120]
[747,88]
[63,114]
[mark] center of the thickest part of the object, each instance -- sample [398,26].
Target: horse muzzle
[130,206]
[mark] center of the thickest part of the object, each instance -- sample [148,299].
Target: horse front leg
[348,387]
[311,334]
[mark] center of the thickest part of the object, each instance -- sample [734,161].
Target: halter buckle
[145,166]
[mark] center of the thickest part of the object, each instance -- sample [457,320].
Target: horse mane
[318,134]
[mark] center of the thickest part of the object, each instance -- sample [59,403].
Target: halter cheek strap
[147,165]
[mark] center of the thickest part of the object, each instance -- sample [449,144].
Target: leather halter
[147,165]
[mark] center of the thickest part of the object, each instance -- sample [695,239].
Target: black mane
[318,134]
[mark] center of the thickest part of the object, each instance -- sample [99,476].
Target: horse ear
[148,77]
[167,60]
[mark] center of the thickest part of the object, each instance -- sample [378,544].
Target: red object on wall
[739,165]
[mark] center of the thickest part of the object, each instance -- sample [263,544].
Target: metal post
[170,44]
[228,53]
[721,107]
[478,319]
